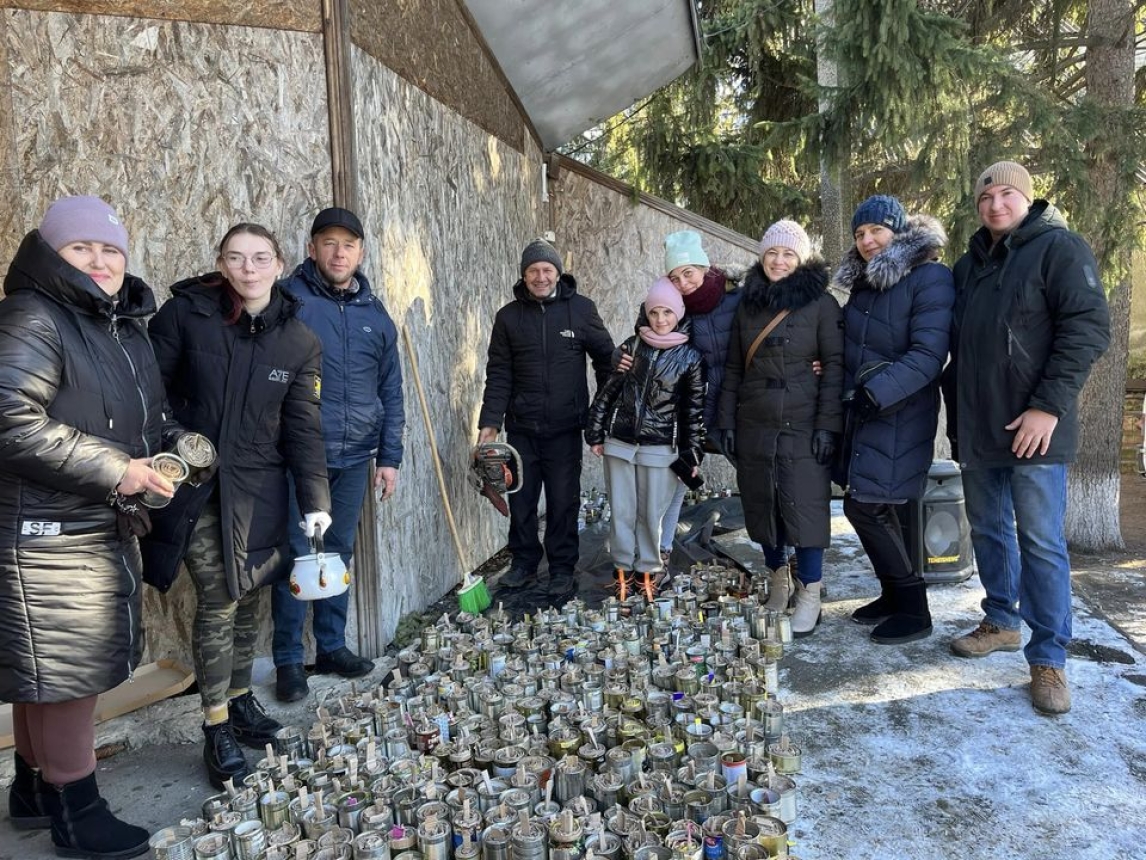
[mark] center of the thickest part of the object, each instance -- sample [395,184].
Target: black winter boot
[879,609]
[223,755]
[911,620]
[250,723]
[83,826]
[27,807]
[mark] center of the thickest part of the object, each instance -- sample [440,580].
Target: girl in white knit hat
[782,420]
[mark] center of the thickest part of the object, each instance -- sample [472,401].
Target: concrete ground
[908,752]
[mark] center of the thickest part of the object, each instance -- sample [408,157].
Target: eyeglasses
[235,260]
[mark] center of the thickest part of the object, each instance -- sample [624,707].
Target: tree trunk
[1092,521]
[833,199]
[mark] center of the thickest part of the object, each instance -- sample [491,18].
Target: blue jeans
[1016,515]
[347,490]
[809,561]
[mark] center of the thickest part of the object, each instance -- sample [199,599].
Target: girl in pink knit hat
[648,423]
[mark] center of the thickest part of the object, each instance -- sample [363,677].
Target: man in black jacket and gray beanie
[535,385]
[1030,321]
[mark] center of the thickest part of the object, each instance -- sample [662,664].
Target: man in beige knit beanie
[1030,321]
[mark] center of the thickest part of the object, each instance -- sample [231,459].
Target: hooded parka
[1030,321]
[777,402]
[535,375]
[80,396]
[897,323]
[253,389]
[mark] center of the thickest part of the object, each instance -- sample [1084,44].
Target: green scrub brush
[473,596]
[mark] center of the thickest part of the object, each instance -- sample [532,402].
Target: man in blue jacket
[362,422]
[1030,321]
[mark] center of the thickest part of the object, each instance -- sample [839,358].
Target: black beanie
[540,251]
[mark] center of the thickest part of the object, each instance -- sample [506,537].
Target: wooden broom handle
[434,452]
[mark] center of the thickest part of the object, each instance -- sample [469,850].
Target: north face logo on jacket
[279,376]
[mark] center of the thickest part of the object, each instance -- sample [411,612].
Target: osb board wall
[186,129]
[431,45]
[615,248]
[279,14]
[448,209]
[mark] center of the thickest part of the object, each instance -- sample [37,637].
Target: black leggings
[878,527]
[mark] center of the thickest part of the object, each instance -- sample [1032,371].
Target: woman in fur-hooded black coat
[897,321]
[785,418]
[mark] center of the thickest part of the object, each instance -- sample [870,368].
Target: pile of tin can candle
[628,732]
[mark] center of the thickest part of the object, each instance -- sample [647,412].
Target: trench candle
[172,843]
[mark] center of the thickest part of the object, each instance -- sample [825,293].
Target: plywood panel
[447,209]
[431,45]
[277,14]
[184,128]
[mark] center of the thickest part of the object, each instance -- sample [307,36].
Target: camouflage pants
[225,632]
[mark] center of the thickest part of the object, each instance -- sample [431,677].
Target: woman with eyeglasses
[241,369]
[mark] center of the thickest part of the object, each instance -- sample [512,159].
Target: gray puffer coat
[777,402]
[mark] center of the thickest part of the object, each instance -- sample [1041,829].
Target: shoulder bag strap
[768,329]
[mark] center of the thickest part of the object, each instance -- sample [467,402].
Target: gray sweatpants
[641,486]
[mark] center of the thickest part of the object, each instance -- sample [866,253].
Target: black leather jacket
[659,401]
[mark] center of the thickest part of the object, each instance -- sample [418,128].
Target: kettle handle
[316,544]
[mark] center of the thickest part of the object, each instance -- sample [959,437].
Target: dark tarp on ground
[693,543]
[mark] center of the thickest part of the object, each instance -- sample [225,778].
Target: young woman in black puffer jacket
[785,417]
[644,421]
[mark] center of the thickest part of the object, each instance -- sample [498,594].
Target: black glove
[131,517]
[726,444]
[864,404]
[823,446]
[204,475]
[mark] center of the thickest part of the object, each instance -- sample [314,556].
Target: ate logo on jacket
[277,375]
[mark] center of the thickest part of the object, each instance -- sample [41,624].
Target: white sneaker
[806,615]
[779,589]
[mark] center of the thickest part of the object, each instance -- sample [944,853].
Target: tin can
[249,840]
[215,804]
[685,844]
[495,843]
[350,807]
[246,803]
[317,820]
[274,809]
[371,846]
[213,846]
[786,786]
[785,757]
[172,843]
[773,835]
[734,766]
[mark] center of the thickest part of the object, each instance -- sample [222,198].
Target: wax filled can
[249,840]
[371,845]
[172,843]
[274,809]
[213,846]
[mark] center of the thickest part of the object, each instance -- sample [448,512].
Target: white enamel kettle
[317,575]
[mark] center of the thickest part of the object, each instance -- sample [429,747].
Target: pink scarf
[662,341]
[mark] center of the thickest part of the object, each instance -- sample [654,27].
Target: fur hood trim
[806,284]
[921,242]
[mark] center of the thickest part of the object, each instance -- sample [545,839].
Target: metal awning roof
[575,63]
